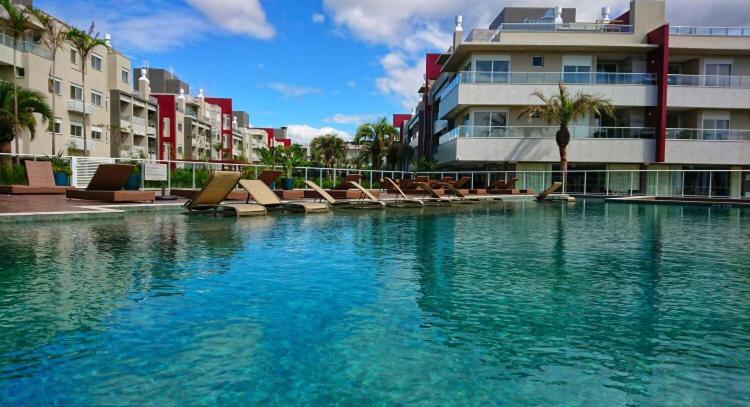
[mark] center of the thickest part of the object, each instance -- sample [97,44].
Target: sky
[318,66]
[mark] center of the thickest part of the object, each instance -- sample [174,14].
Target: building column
[658,64]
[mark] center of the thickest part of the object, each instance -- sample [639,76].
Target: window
[96,62]
[125,76]
[717,74]
[76,130]
[227,122]
[179,126]
[55,86]
[76,92]
[488,71]
[57,126]
[96,98]
[96,134]
[715,129]
[20,72]
[490,124]
[537,61]
[576,74]
[73,57]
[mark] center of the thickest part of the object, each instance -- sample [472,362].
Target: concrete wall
[708,152]
[709,98]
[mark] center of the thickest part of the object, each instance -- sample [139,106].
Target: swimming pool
[513,304]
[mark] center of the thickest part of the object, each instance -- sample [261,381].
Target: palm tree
[328,149]
[53,37]
[18,23]
[28,102]
[84,42]
[375,137]
[561,109]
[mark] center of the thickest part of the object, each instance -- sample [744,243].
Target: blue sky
[314,65]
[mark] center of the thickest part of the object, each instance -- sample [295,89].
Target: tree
[84,42]
[270,157]
[18,23]
[28,102]
[328,149]
[561,109]
[53,37]
[291,157]
[398,154]
[375,138]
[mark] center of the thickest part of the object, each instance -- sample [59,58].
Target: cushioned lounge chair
[235,195]
[322,194]
[263,195]
[402,201]
[107,186]
[219,186]
[40,179]
[547,192]
[460,197]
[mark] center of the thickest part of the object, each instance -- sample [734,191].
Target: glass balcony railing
[576,132]
[26,46]
[710,81]
[711,31]
[567,27]
[708,134]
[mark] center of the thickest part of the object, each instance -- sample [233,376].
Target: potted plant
[134,180]
[291,157]
[61,169]
[270,158]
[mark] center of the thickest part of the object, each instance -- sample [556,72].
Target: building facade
[681,94]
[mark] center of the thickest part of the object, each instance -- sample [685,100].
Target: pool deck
[18,208]
[665,200]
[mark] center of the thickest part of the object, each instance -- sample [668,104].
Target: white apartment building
[120,122]
[681,95]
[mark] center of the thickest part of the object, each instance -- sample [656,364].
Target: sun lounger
[107,186]
[344,190]
[263,195]
[430,196]
[322,194]
[460,197]
[402,201]
[40,179]
[547,192]
[219,186]
[416,187]
[235,195]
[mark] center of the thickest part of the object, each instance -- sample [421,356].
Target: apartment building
[681,94]
[246,139]
[120,123]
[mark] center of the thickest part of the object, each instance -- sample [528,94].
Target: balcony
[23,46]
[480,88]
[537,144]
[77,106]
[708,134]
[576,132]
[710,31]
[483,35]
[709,91]
[708,146]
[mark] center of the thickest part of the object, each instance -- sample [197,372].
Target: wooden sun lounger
[322,194]
[107,186]
[460,197]
[235,195]
[547,192]
[403,201]
[219,186]
[40,179]
[263,195]
[430,196]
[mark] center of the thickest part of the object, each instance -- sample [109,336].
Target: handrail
[710,81]
[710,31]
[576,132]
[708,134]
[568,27]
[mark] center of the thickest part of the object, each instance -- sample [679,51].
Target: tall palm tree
[84,42]
[328,149]
[53,38]
[18,23]
[375,137]
[561,109]
[28,102]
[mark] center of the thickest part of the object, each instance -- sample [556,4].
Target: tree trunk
[54,97]
[83,91]
[15,100]
[563,139]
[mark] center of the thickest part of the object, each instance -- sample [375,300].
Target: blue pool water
[514,304]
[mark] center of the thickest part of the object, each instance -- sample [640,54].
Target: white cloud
[355,119]
[318,18]
[245,17]
[291,90]
[402,78]
[304,133]
[351,84]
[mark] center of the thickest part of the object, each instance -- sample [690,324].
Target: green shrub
[13,175]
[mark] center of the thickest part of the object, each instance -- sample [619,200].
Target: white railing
[77,106]
[710,81]
[576,132]
[710,31]
[567,27]
[712,183]
[708,134]
[139,120]
[26,46]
